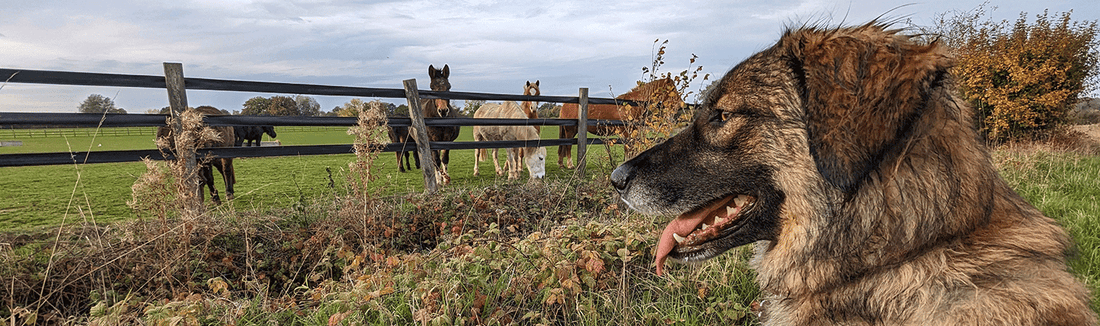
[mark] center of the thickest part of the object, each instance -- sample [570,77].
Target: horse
[252,134]
[226,138]
[531,108]
[401,135]
[534,157]
[440,108]
[657,92]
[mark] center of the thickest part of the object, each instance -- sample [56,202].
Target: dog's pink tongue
[682,225]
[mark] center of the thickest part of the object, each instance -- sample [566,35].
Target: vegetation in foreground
[553,252]
[548,253]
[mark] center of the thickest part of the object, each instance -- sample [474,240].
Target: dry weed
[663,105]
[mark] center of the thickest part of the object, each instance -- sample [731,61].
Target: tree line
[299,105]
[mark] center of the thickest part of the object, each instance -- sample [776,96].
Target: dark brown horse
[401,135]
[252,134]
[657,92]
[439,108]
[226,138]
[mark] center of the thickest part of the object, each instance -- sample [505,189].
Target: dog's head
[798,124]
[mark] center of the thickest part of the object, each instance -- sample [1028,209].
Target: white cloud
[490,45]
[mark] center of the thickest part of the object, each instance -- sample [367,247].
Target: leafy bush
[1022,78]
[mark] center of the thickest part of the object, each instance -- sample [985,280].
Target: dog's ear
[862,89]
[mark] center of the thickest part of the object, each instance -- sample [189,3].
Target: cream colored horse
[534,157]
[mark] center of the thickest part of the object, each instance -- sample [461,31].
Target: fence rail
[15,134]
[93,120]
[177,84]
[147,81]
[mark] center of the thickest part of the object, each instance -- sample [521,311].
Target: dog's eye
[722,116]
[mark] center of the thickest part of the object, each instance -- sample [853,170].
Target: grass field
[40,196]
[484,250]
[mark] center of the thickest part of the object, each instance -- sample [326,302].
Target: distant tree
[350,109]
[401,110]
[1021,77]
[279,105]
[549,110]
[283,106]
[96,103]
[256,106]
[307,106]
[331,113]
[471,107]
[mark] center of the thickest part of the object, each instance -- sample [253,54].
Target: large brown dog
[846,157]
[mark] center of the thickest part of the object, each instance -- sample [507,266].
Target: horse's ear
[536,82]
[446,71]
[431,71]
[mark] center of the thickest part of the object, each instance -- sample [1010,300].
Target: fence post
[177,100]
[420,133]
[582,132]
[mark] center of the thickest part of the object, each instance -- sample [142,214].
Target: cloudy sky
[491,46]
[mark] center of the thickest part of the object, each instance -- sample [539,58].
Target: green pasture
[38,196]
[615,281]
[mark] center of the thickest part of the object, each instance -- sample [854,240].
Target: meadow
[40,196]
[296,248]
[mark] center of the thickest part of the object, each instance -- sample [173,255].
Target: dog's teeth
[705,226]
[740,200]
[678,238]
[730,210]
[719,220]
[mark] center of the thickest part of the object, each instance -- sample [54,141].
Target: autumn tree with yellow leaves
[1023,78]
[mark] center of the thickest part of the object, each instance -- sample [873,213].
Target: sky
[490,46]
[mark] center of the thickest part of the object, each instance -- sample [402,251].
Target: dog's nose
[620,178]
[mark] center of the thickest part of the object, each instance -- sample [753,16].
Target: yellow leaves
[1021,77]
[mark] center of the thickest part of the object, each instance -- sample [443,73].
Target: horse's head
[536,161]
[531,89]
[439,80]
[269,130]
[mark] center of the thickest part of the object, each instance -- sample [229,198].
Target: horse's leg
[436,157]
[446,159]
[510,164]
[416,159]
[566,151]
[479,153]
[208,178]
[477,159]
[400,168]
[496,165]
[229,176]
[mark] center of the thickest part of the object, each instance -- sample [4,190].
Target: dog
[845,156]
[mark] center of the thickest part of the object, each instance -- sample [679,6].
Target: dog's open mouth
[689,231]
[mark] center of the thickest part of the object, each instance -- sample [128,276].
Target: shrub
[1021,78]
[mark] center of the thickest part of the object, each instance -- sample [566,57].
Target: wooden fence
[176,85]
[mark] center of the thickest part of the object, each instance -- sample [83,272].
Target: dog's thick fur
[874,200]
